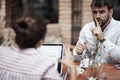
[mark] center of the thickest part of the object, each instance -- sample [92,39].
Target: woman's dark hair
[29,30]
[101,3]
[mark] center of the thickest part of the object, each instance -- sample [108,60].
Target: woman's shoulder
[30,64]
[4,49]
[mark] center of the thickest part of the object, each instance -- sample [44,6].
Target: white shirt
[25,64]
[109,50]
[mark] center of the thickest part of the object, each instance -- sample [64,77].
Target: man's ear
[111,12]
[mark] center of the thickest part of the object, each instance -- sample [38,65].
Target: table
[112,73]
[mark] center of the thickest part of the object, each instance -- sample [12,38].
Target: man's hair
[29,30]
[101,3]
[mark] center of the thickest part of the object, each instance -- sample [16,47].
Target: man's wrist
[102,39]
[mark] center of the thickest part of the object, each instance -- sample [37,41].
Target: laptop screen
[54,51]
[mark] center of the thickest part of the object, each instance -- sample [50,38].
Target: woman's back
[25,65]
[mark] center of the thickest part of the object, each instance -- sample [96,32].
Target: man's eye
[94,12]
[102,12]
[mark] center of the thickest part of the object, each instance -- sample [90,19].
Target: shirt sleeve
[112,50]
[80,39]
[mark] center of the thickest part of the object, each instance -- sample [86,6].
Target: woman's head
[29,31]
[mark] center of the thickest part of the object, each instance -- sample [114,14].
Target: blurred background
[65,17]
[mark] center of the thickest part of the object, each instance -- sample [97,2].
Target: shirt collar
[28,51]
[112,22]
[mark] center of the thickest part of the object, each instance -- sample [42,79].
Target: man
[103,33]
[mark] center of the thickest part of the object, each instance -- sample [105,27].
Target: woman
[22,62]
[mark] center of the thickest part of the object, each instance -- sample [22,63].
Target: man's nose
[98,15]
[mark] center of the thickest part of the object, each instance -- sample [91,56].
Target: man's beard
[103,23]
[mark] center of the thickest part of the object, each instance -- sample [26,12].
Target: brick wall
[65,8]
[7,32]
[61,31]
[63,27]
[86,12]
[2,13]
[65,19]
[2,18]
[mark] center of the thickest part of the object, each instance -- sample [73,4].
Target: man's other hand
[80,48]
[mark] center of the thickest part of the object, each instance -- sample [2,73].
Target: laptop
[54,51]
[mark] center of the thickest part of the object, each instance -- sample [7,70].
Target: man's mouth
[99,21]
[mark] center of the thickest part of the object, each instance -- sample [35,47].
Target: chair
[116,13]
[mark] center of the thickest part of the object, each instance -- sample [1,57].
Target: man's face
[102,14]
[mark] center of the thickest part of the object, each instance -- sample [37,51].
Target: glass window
[45,8]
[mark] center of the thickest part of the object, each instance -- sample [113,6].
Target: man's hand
[97,31]
[80,48]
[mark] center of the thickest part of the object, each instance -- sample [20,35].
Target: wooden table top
[112,73]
